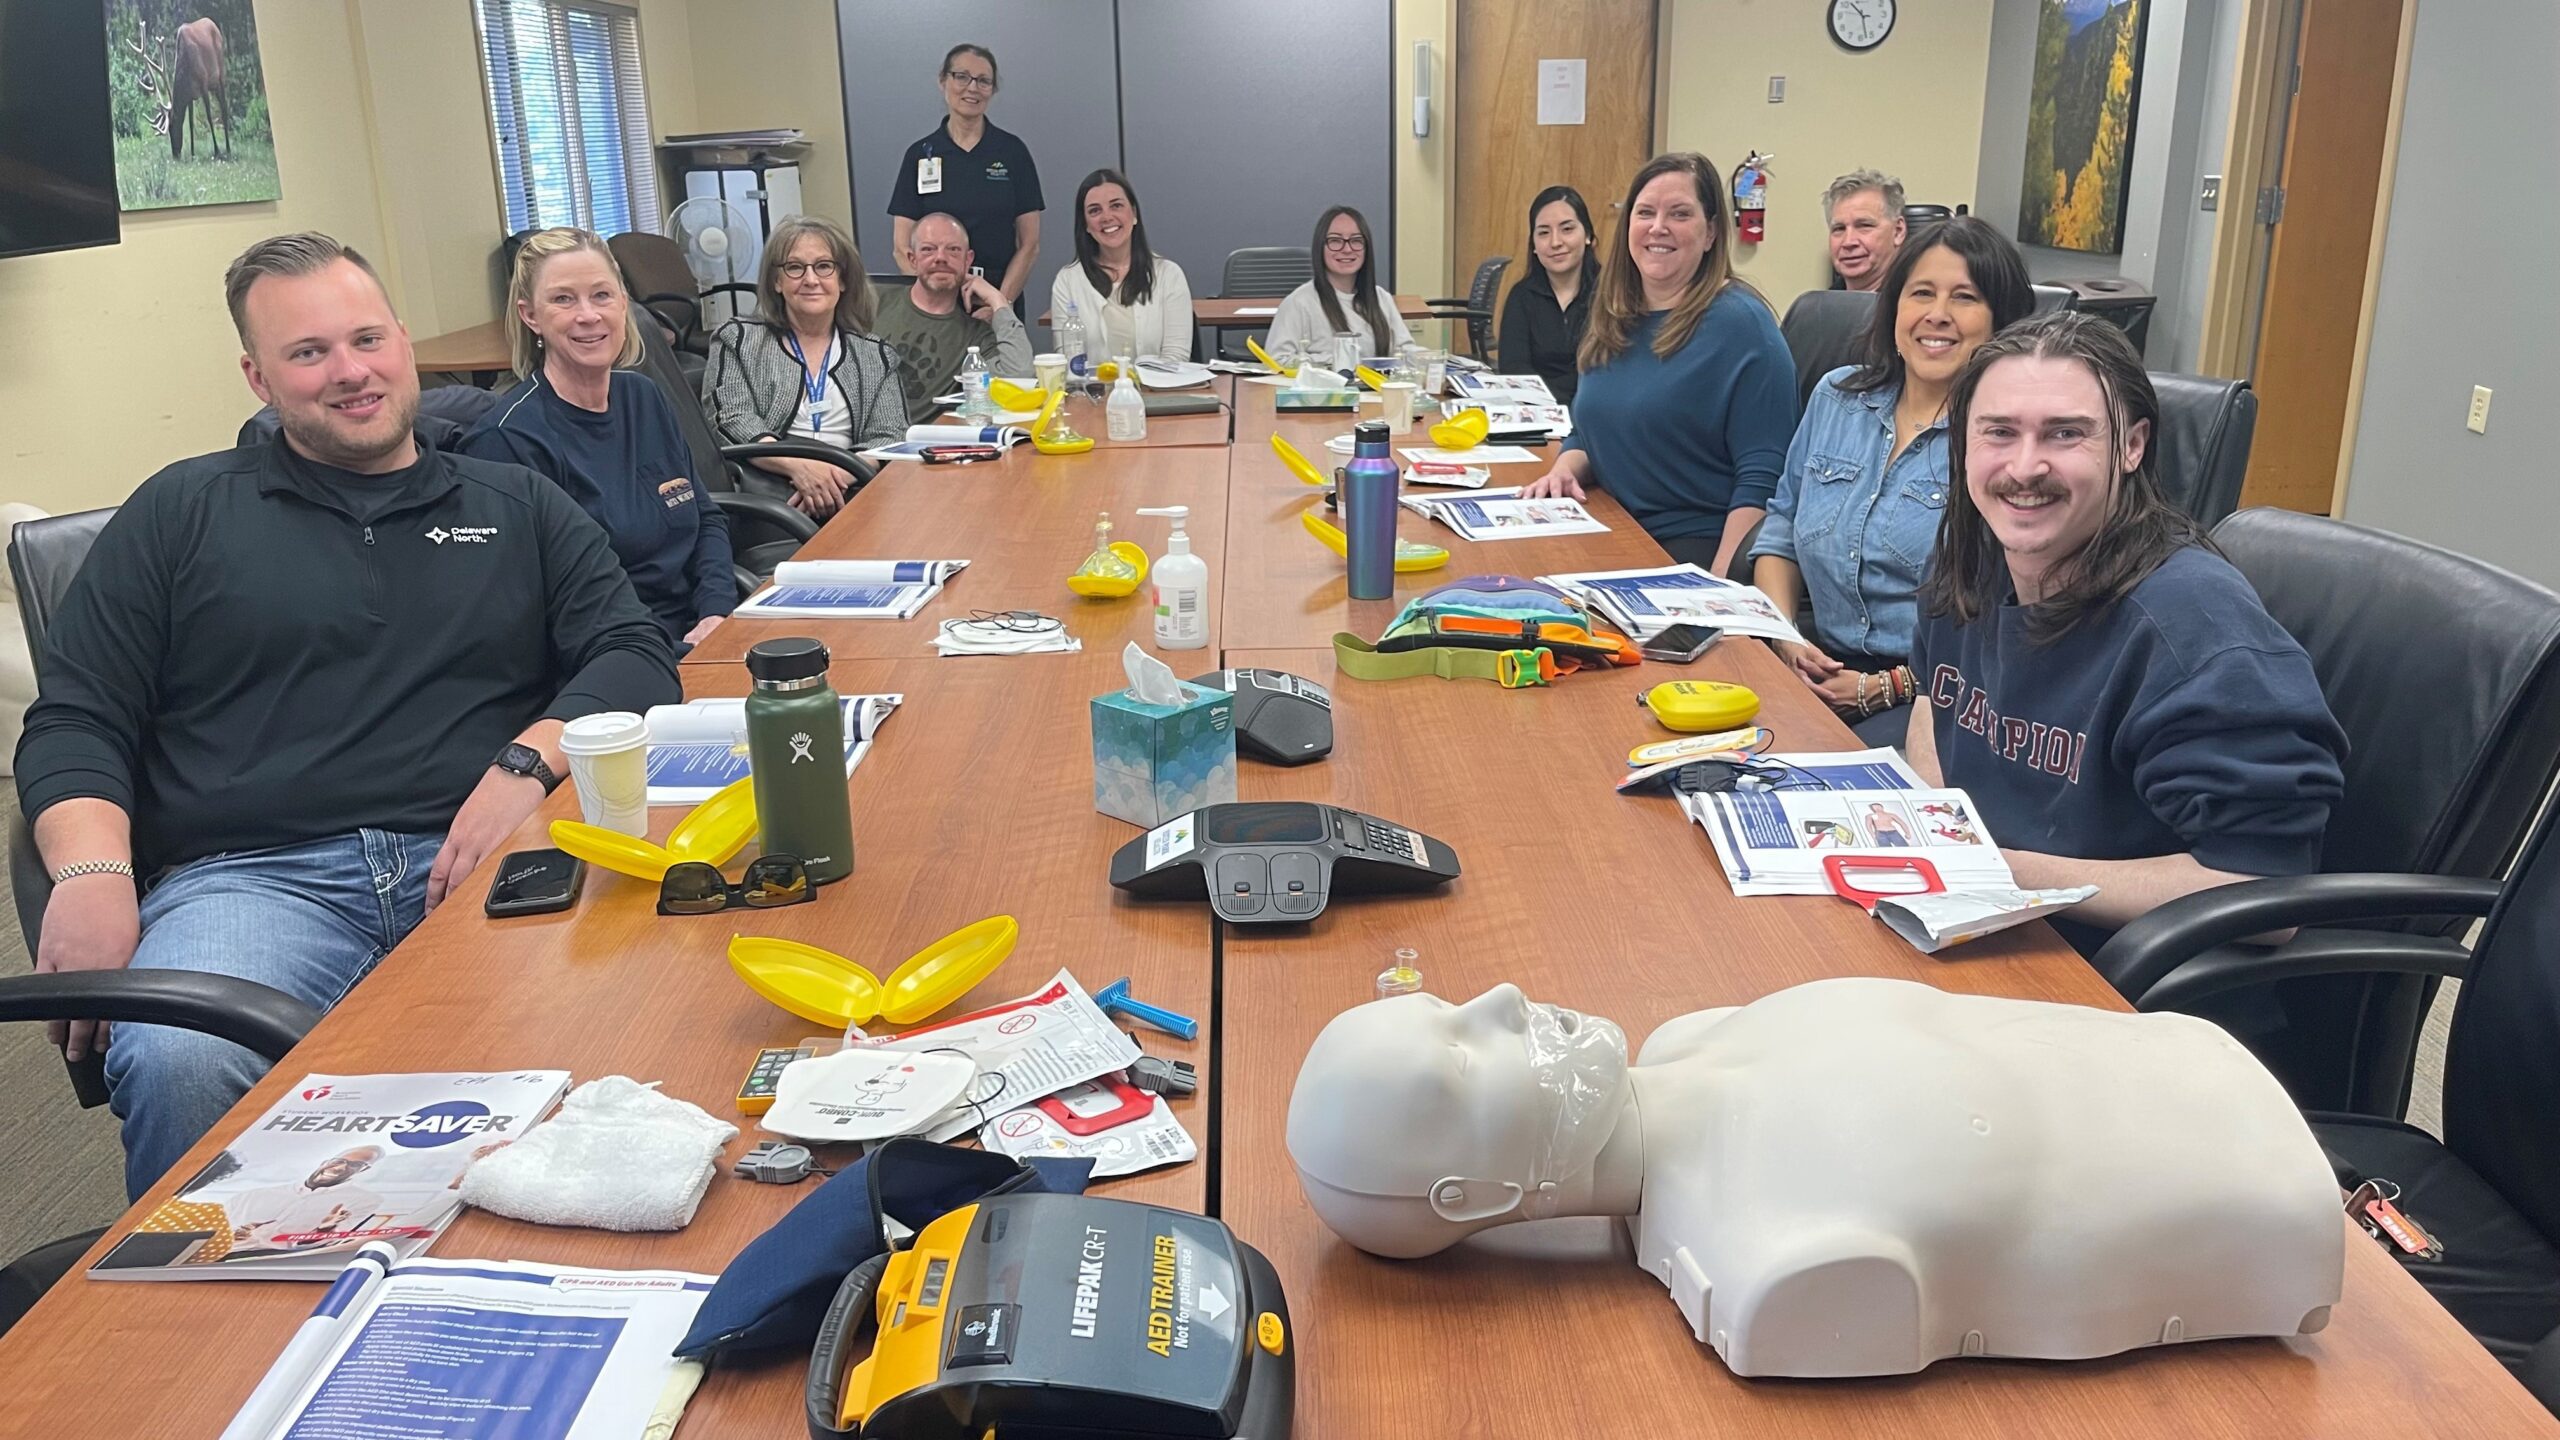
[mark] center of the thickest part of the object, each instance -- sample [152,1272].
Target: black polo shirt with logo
[982,188]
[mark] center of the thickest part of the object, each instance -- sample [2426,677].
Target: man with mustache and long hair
[2090,669]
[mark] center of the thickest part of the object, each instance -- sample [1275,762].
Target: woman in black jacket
[1543,319]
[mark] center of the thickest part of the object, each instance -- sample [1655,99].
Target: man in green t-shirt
[934,321]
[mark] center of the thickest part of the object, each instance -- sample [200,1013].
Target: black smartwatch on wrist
[524,760]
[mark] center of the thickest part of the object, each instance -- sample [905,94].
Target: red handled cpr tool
[1867,879]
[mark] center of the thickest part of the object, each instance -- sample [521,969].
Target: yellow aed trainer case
[1058,1317]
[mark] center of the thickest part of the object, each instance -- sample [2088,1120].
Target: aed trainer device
[535,882]
[1681,644]
[1068,1317]
[1278,862]
[1695,705]
[1283,718]
[764,1078]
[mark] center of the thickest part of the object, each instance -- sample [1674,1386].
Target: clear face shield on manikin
[1415,1122]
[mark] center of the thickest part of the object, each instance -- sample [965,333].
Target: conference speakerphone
[1278,862]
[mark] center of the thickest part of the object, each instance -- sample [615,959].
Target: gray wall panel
[1056,64]
[1202,82]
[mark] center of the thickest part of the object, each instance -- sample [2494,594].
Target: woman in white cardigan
[1344,301]
[1130,300]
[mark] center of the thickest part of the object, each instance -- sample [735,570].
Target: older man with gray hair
[1864,212]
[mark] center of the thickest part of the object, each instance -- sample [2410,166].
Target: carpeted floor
[66,1172]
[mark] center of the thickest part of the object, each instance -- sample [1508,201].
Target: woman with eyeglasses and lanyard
[1545,315]
[807,363]
[974,172]
[1344,301]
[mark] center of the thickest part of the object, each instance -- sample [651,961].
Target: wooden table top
[1613,906]
[1227,309]
[475,347]
[1024,524]
[613,988]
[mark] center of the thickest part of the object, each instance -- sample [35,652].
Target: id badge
[929,175]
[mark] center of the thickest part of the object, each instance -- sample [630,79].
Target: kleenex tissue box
[1153,762]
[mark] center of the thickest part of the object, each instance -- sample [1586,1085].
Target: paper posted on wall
[1644,603]
[1773,842]
[339,1161]
[479,1347]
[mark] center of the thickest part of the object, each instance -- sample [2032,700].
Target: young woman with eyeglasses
[1343,301]
[976,173]
[808,364]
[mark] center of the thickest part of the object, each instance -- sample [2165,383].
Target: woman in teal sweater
[1688,395]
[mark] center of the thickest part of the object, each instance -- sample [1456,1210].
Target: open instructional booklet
[700,746]
[1504,515]
[850,589]
[1644,603]
[1856,802]
[1490,389]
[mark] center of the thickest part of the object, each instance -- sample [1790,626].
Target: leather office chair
[2490,1191]
[1477,308]
[2445,674]
[2202,446]
[658,280]
[243,1012]
[2050,298]
[1825,330]
[764,531]
[445,414]
[1255,272]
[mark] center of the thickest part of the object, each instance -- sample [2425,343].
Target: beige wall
[122,359]
[1422,174]
[773,63]
[420,65]
[1912,108]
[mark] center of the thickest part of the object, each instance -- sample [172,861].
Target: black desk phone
[1278,862]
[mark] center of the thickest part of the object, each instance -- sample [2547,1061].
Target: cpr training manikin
[1851,1177]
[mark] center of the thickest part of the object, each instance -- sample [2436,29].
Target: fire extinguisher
[1751,198]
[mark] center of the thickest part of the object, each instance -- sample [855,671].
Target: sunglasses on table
[693,887]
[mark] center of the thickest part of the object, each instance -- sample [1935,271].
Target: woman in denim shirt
[1857,507]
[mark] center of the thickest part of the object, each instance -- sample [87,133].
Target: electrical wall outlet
[1777,89]
[2479,421]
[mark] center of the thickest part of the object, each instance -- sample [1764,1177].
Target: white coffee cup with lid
[609,763]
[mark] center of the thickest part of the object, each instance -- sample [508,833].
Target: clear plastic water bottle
[975,403]
[1070,339]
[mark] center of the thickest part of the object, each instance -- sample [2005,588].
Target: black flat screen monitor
[57,153]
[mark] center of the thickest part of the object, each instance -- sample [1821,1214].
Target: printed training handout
[1502,389]
[1773,842]
[1478,455]
[1504,515]
[478,1348]
[921,437]
[1509,421]
[700,746]
[850,589]
[1644,603]
[340,1160]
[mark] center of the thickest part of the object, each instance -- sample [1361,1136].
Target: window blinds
[570,113]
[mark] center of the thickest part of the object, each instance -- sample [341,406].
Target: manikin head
[1416,1123]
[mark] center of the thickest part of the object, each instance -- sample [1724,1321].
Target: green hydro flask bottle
[795,751]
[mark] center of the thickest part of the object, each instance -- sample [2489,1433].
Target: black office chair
[2050,298]
[1257,272]
[243,1012]
[1825,330]
[2490,1192]
[2202,447]
[1476,310]
[658,279]
[445,414]
[764,531]
[2445,674]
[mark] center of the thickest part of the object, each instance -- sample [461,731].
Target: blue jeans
[310,920]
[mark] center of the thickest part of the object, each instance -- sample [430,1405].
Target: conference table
[976,800]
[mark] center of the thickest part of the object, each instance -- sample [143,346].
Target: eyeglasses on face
[1345,242]
[692,887]
[797,269]
[967,81]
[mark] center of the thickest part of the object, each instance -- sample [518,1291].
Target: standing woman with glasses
[974,172]
[807,364]
[1688,394]
[1344,301]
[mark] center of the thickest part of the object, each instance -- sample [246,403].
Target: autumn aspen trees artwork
[2080,118]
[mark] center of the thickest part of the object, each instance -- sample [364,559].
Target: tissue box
[1154,762]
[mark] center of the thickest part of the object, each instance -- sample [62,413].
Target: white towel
[617,1156]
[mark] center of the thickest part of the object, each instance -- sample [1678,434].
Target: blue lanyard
[816,389]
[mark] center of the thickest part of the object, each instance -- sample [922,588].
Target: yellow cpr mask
[1695,705]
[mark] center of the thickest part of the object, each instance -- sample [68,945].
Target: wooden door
[1504,157]
[2316,266]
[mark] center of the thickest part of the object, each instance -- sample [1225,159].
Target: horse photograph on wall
[188,101]
[2080,115]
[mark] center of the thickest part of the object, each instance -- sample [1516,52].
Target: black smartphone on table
[1681,644]
[535,882]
